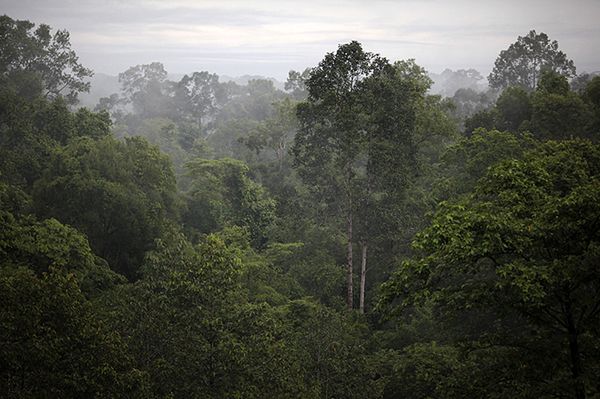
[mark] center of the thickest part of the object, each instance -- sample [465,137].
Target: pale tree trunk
[363,276]
[349,267]
[280,152]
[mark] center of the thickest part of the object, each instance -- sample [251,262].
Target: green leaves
[49,245]
[519,245]
[119,194]
[53,344]
[49,56]
[222,194]
[524,61]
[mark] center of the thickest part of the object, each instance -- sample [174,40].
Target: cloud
[264,35]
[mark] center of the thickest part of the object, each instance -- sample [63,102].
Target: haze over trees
[351,236]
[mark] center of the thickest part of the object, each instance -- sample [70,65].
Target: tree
[49,245]
[465,162]
[221,194]
[355,145]
[558,113]
[198,96]
[112,104]
[514,107]
[592,96]
[330,347]
[524,61]
[276,133]
[296,84]
[521,250]
[580,82]
[467,102]
[145,87]
[46,56]
[449,82]
[32,129]
[120,194]
[52,338]
[329,144]
[486,119]
[400,116]
[193,332]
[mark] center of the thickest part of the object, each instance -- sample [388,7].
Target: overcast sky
[273,36]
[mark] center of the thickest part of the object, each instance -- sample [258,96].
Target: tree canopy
[27,53]
[524,61]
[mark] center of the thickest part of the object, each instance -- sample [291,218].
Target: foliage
[54,345]
[514,107]
[222,194]
[332,352]
[276,133]
[30,130]
[39,54]
[524,61]
[144,86]
[199,95]
[296,84]
[551,112]
[524,241]
[469,159]
[120,194]
[49,245]
[468,102]
[192,332]
[557,112]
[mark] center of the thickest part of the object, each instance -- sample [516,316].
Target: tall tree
[355,139]
[523,62]
[328,148]
[392,101]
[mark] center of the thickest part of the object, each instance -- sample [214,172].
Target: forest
[350,235]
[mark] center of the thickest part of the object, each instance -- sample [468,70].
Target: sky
[271,37]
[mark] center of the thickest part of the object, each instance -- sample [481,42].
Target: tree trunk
[349,267]
[576,367]
[363,276]
[280,153]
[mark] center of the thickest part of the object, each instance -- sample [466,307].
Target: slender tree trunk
[576,367]
[363,276]
[349,264]
[280,153]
